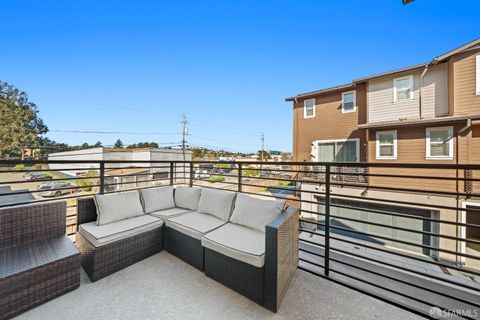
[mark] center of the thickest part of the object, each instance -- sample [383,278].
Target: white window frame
[395,99]
[315,143]
[450,148]
[377,142]
[305,109]
[354,101]
[478,75]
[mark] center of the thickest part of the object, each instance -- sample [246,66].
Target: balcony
[405,245]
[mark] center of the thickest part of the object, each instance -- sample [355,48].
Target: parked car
[33,176]
[49,189]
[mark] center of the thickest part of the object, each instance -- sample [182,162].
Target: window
[440,143]
[309,110]
[478,75]
[348,102]
[387,144]
[403,89]
[337,151]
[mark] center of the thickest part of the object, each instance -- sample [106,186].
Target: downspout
[420,90]
[295,105]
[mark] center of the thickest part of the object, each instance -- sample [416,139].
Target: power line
[115,132]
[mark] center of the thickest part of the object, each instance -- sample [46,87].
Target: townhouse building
[423,114]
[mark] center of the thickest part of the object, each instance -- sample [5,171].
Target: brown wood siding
[411,148]
[462,69]
[329,123]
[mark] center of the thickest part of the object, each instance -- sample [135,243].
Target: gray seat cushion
[216,202]
[187,197]
[118,206]
[238,242]
[169,213]
[104,234]
[255,212]
[194,224]
[155,199]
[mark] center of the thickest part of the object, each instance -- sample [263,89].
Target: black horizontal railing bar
[289,163]
[46,170]
[404,215]
[410,271]
[401,215]
[409,256]
[312,232]
[404,203]
[413,244]
[405,176]
[311,242]
[406,283]
[276,188]
[370,293]
[311,252]
[279,179]
[78,187]
[406,230]
[409,230]
[47,180]
[405,295]
[408,190]
[44,200]
[311,262]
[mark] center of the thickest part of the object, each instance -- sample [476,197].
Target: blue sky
[136,66]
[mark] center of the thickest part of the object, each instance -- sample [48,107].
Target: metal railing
[408,234]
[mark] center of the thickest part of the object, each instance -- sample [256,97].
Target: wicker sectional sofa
[38,262]
[246,243]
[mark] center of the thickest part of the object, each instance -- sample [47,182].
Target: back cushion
[254,212]
[117,206]
[187,198]
[156,199]
[216,202]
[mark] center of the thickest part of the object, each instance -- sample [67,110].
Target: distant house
[120,176]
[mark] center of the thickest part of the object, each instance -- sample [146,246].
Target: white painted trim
[395,100]
[478,75]
[463,229]
[427,143]
[377,143]
[305,109]
[316,142]
[354,101]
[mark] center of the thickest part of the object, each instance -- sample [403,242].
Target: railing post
[239,187]
[171,173]
[102,177]
[191,174]
[327,221]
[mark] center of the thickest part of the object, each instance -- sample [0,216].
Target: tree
[20,125]
[98,144]
[143,145]
[266,155]
[118,144]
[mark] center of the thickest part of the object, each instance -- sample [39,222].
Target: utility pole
[262,138]
[184,123]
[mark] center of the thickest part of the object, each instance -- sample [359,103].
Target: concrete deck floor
[164,287]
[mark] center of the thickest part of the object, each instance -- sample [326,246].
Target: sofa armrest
[86,210]
[22,224]
[281,256]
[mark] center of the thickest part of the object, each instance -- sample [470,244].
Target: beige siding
[434,96]
[463,84]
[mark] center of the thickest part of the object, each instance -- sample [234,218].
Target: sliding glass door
[337,151]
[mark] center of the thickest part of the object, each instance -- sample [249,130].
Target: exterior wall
[328,111]
[462,76]
[411,148]
[433,96]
